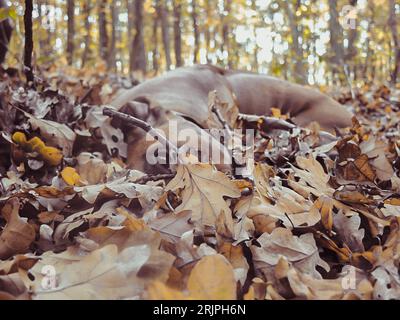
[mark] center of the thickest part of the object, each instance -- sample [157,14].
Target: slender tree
[336,41]
[255,64]
[225,17]
[28,41]
[114,24]
[352,38]
[70,30]
[138,52]
[177,7]
[299,70]
[103,35]
[162,11]
[207,31]
[396,41]
[196,32]
[86,51]
[5,35]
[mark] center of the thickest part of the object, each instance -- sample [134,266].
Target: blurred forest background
[313,42]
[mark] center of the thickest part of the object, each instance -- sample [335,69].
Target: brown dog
[183,93]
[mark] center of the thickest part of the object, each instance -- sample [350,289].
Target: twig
[220,118]
[156,177]
[143,125]
[268,123]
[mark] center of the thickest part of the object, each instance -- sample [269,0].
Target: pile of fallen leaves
[314,221]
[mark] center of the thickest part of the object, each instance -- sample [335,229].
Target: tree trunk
[70,31]
[177,32]
[138,52]
[396,41]
[195,32]
[86,51]
[49,40]
[5,35]
[156,54]
[299,70]
[336,41]
[28,42]
[163,15]
[103,35]
[226,30]
[353,35]
[255,64]
[112,53]
[207,30]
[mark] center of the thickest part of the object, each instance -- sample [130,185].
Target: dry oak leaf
[18,234]
[55,133]
[235,256]
[157,265]
[301,251]
[203,192]
[145,193]
[375,150]
[91,168]
[212,278]
[103,274]
[12,288]
[314,175]
[305,286]
[348,229]
[159,291]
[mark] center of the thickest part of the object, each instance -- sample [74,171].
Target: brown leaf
[212,279]
[203,189]
[18,234]
[301,251]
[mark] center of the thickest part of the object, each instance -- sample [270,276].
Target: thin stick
[220,118]
[156,177]
[268,123]
[142,125]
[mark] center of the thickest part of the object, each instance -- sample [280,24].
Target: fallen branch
[220,118]
[267,124]
[135,122]
[156,177]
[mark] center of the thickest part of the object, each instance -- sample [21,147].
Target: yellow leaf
[70,176]
[35,144]
[19,138]
[51,155]
[212,279]
[159,291]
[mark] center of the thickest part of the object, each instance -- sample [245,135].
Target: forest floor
[313,222]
